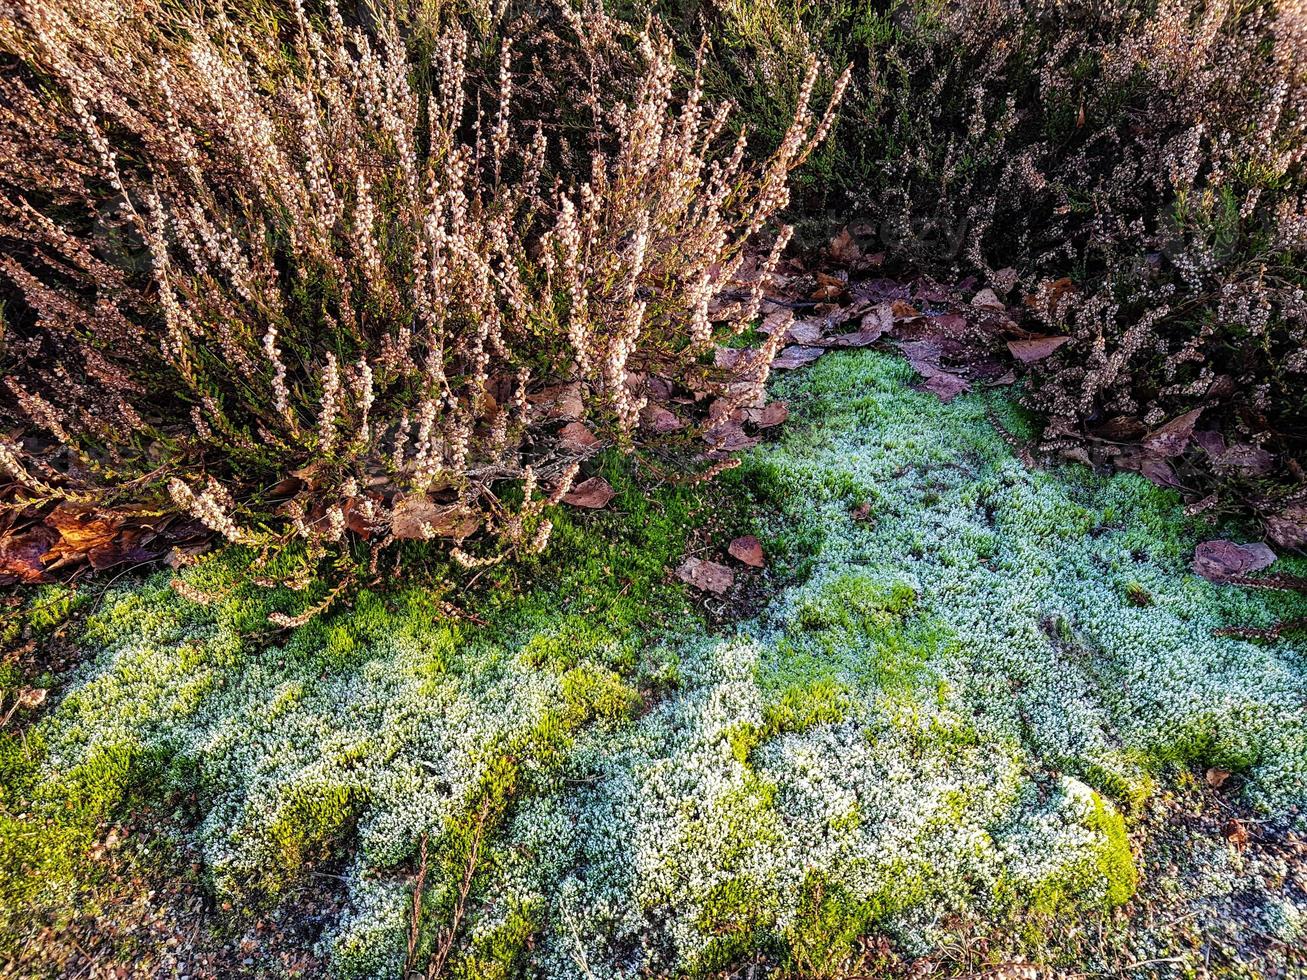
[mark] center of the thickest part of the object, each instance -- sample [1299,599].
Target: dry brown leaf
[945,386]
[772,414]
[20,555]
[1236,833]
[748,550]
[1288,528]
[416,517]
[706,576]
[1246,459]
[730,437]
[844,249]
[558,402]
[1219,560]
[576,438]
[988,299]
[903,310]
[592,494]
[1033,349]
[1172,438]
[805,331]
[796,357]
[660,419]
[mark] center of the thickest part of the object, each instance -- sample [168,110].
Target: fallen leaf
[771,414]
[945,386]
[864,337]
[829,287]
[558,402]
[660,419]
[1249,460]
[805,331]
[1210,441]
[776,320]
[1236,833]
[84,532]
[730,437]
[1171,438]
[796,357]
[924,357]
[1288,528]
[748,549]
[903,310]
[593,494]
[706,576]
[1159,472]
[1219,560]
[576,438]
[20,555]
[1034,349]
[987,299]
[844,249]
[1050,293]
[1121,428]
[415,517]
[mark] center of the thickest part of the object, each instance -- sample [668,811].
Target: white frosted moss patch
[946,714]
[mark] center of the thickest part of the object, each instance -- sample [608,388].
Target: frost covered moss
[945,712]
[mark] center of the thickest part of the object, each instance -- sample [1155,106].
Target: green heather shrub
[314,278]
[1152,153]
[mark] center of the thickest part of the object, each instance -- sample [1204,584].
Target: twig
[437,966]
[1271,633]
[415,919]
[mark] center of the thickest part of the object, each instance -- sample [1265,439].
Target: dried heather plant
[312,287]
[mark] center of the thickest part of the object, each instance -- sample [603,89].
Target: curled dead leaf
[1236,833]
[844,249]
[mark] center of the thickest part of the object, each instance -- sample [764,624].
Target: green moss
[800,706]
[830,920]
[1125,777]
[52,606]
[737,914]
[501,953]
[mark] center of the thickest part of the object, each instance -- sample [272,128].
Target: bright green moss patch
[942,717]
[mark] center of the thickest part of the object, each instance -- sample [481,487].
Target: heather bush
[318,277]
[1152,154]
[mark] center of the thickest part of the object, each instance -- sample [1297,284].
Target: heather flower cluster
[316,280]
